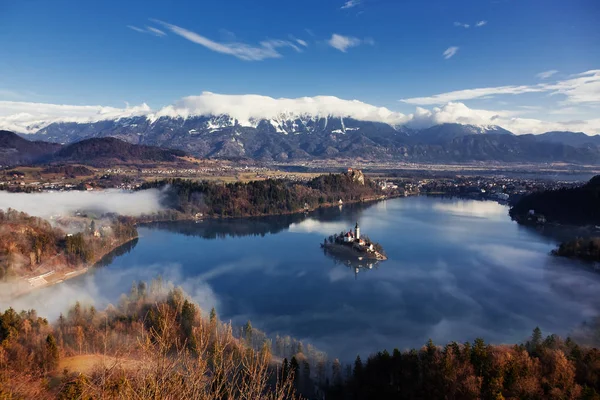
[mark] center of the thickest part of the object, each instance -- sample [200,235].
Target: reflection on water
[355,264]
[457,270]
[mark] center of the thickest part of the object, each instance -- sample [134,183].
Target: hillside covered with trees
[582,249]
[156,343]
[30,245]
[257,198]
[575,206]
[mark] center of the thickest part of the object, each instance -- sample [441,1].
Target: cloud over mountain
[248,109]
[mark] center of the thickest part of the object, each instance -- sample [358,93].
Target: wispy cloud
[343,43]
[148,29]
[479,24]
[156,31]
[4,93]
[265,49]
[350,4]
[580,88]
[546,74]
[461,25]
[450,52]
[301,42]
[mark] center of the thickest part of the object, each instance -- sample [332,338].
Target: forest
[29,244]
[259,198]
[157,343]
[574,206]
[583,249]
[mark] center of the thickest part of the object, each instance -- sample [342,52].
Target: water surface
[457,270]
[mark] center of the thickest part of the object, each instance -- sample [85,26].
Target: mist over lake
[457,270]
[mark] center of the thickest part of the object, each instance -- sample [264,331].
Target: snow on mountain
[245,108]
[286,115]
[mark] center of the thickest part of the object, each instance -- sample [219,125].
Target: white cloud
[343,43]
[350,4]
[461,25]
[546,74]
[450,52]
[507,119]
[580,88]
[156,31]
[247,109]
[30,117]
[148,29]
[479,24]
[302,42]
[265,49]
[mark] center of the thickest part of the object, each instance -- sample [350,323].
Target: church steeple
[357,231]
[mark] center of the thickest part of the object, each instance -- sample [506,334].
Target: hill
[15,150]
[108,150]
[156,343]
[577,206]
[575,139]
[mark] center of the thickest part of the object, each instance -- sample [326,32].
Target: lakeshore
[24,285]
[444,274]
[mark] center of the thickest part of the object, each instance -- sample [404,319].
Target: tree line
[580,248]
[27,242]
[257,198]
[577,206]
[157,343]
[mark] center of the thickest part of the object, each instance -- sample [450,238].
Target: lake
[457,270]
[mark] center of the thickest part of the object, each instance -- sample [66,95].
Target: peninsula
[354,246]
[35,253]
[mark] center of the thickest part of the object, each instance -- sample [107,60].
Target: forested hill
[576,206]
[31,246]
[257,198]
[542,368]
[107,151]
[157,344]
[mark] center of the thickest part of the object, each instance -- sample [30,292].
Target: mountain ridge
[15,150]
[316,137]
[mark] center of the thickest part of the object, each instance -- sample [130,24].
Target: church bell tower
[357,231]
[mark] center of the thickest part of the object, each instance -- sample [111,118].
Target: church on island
[354,244]
[354,237]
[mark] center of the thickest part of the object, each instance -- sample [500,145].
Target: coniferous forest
[256,198]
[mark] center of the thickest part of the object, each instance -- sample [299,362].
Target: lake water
[457,270]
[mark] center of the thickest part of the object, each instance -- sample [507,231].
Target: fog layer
[49,204]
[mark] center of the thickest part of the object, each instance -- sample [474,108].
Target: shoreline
[187,218]
[40,281]
[62,276]
[348,251]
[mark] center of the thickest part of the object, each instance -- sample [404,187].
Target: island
[354,246]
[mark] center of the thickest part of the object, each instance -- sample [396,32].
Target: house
[349,237]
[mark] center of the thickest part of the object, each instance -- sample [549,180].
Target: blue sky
[383,51]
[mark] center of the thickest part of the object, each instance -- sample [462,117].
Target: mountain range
[292,137]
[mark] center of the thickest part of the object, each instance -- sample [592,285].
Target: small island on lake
[354,246]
